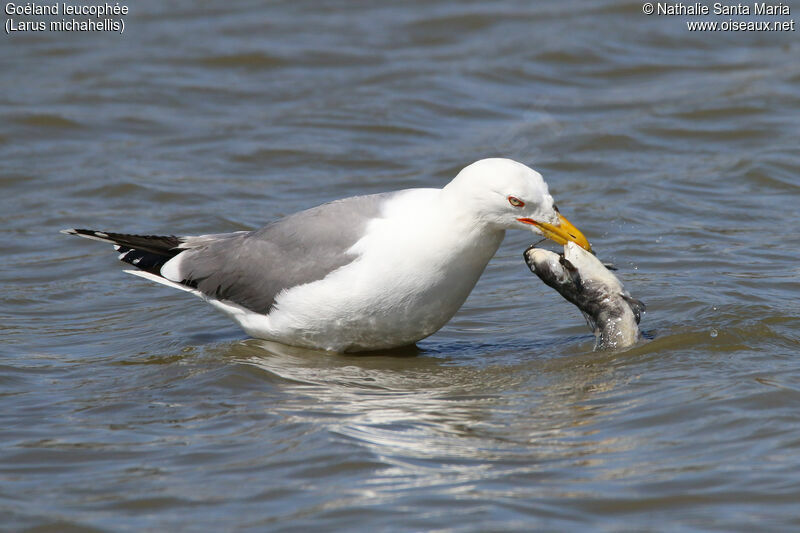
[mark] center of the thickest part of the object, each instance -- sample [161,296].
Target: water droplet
[713,333]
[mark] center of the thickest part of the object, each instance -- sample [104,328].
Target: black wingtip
[81,232]
[89,234]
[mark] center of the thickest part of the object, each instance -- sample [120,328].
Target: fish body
[584,281]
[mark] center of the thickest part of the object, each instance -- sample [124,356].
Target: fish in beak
[584,281]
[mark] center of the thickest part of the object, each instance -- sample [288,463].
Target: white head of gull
[362,273]
[505,194]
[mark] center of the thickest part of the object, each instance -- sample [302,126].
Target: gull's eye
[516,202]
[555,208]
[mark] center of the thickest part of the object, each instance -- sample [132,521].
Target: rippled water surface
[127,406]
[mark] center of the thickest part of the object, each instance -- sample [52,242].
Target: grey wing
[251,268]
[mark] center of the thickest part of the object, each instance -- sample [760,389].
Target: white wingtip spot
[94,235]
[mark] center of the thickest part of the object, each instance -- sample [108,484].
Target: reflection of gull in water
[410,410]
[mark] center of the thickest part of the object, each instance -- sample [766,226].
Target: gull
[362,273]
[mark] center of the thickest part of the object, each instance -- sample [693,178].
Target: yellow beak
[562,233]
